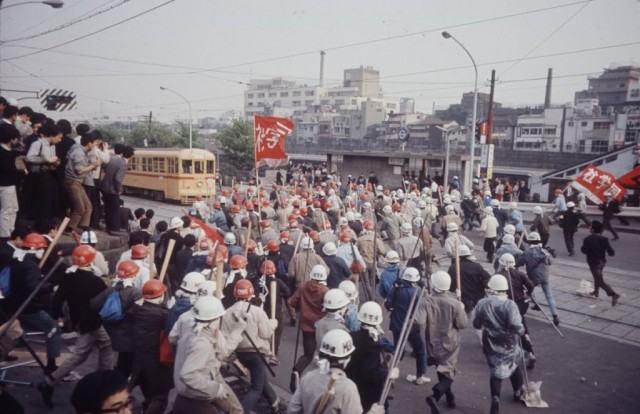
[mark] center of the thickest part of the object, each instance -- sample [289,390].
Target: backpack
[111,311]
[5,281]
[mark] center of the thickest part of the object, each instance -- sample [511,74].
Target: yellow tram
[171,174]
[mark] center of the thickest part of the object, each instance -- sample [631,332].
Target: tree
[237,144]
[454,113]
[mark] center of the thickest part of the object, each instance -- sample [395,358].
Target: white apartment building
[539,132]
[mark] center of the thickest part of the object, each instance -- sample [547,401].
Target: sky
[115,54]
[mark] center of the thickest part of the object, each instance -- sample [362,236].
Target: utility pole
[150,117]
[490,114]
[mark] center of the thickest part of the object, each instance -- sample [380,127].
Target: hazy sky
[207,49]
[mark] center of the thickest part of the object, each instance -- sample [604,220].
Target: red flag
[631,179]
[595,182]
[211,233]
[269,134]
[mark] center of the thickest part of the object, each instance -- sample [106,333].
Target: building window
[249,95]
[581,145]
[584,123]
[601,125]
[250,104]
[295,103]
[284,94]
[261,95]
[571,123]
[599,146]
[308,102]
[296,94]
[550,131]
[272,94]
[308,93]
[339,101]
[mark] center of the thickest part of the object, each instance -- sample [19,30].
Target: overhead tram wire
[338,47]
[64,25]
[92,33]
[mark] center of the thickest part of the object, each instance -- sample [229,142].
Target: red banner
[211,233]
[594,183]
[631,179]
[269,134]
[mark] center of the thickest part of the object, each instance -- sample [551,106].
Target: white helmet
[418,221]
[88,237]
[509,229]
[441,281]
[335,299]
[230,238]
[379,188]
[337,343]
[534,236]
[508,239]
[342,221]
[176,223]
[495,203]
[349,288]
[350,216]
[321,193]
[392,257]
[463,250]
[488,210]
[207,308]
[422,204]
[306,243]
[329,249]
[191,282]
[513,205]
[386,209]
[370,313]
[452,227]
[366,206]
[571,204]
[449,208]
[207,288]
[537,210]
[428,200]
[416,213]
[332,191]
[498,283]
[222,200]
[487,193]
[411,274]
[507,260]
[405,228]
[319,273]
[446,199]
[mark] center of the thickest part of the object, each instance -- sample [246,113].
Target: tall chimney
[321,68]
[547,95]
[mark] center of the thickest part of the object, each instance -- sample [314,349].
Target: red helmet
[250,245]
[368,225]
[248,206]
[225,192]
[345,237]
[268,268]
[255,202]
[317,204]
[305,194]
[315,236]
[265,224]
[238,262]
[128,269]
[327,206]
[205,244]
[292,192]
[304,212]
[310,201]
[153,288]
[219,255]
[295,212]
[293,224]
[35,241]
[396,207]
[217,205]
[236,209]
[243,289]
[285,236]
[83,255]
[273,246]
[265,203]
[262,194]
[139,251]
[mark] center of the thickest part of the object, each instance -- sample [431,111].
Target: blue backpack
[111,311]
[5,281]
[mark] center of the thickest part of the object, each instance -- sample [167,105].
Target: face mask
[40,254]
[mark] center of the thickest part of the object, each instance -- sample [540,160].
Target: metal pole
[469,177]
[190,113]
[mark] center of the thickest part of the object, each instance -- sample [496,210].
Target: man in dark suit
[111,188]
[9,177]
[609,208]
[596,246]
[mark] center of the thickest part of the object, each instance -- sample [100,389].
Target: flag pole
[255,156]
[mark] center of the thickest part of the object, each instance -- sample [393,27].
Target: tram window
[145,164]
[210,167]
[173,165]
[197,165]
[186,166]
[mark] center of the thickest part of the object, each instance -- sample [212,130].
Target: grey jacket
[114,173]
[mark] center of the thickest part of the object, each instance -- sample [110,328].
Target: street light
[447,130]
[56,4]
[469,176]
[190,118]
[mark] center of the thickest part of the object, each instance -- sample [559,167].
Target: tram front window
[210,167]
[198,167]
[186,166]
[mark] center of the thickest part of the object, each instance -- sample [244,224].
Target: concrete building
[616,86]
[540,132]
[365,79]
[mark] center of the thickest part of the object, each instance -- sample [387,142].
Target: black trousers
[606,225]
[442,387]
[598,279]
[496,383]
[523,307]
[309,348]
[568,240]
[111,211]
